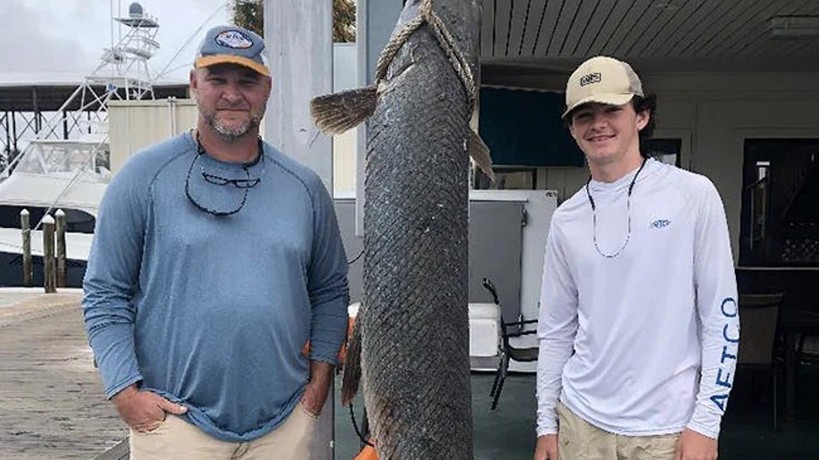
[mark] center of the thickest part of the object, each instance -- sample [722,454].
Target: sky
[69,35]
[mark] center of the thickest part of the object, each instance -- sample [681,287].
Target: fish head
[461,19]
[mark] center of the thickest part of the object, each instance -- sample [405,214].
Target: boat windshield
[67,157]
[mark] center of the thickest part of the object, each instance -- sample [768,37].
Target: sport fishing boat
[71,174]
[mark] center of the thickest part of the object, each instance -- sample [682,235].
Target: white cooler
[484,336]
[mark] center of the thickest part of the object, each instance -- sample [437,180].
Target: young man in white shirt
[639,326]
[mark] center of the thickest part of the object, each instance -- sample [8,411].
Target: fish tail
[352,366]
[479,152]
[338,112]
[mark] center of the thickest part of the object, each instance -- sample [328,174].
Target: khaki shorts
[177,439]
[577,439]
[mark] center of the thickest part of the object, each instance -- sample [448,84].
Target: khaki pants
[577,439]
[179,440]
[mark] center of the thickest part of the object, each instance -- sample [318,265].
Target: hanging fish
[410,346]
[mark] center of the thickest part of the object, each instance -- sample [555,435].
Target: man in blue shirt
[215,259]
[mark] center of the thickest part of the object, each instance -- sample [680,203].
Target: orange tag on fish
[367,453]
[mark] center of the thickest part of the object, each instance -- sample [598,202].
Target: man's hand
[546,448]
[143,410]
[695,446]
[315,393]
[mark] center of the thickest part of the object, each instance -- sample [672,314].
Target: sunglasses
[244,184]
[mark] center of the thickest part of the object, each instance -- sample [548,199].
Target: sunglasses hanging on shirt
[244,184]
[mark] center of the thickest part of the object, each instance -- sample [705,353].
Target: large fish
[412,334]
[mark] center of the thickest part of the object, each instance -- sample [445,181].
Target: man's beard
[232,133]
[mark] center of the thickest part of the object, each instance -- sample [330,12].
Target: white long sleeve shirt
[654,330]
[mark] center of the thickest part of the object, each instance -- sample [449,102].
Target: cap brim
[610,99]
[207,61]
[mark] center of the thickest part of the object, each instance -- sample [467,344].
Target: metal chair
[759,323]
[807,344]
[507,351]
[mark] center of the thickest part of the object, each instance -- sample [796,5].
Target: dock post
[49,266]
[61,249]
[25,225]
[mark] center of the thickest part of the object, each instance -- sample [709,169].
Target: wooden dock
[52,403]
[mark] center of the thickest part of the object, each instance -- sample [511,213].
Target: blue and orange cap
[232,45]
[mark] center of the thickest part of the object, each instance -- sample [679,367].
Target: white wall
[714,114]
[345,62]
[344,161]
[133,125]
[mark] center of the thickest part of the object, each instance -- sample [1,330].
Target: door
[495,242]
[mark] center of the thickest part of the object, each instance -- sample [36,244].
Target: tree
[250,15]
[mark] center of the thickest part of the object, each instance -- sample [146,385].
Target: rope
[447,42]
[456,56]
[394,45]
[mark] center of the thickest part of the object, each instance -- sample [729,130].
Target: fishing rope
[394,45]
[456,56]
[445,39]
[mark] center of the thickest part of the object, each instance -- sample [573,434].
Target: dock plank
[52,399]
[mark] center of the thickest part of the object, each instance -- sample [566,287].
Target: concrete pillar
[299,40]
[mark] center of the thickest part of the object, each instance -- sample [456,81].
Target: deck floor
[53,405]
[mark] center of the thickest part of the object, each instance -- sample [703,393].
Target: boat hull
[11,273]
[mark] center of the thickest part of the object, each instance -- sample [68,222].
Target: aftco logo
[590,78]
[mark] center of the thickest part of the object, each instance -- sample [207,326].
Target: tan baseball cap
[602,79]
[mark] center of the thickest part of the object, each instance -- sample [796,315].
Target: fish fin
[338,112]
[479,152]
[352,366]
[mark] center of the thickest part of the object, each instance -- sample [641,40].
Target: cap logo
[590,78]
[234,39]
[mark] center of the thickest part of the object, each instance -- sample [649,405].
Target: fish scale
[414,330]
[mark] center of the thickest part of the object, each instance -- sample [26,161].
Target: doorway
[780,219]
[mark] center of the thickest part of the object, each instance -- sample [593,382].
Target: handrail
[796,183]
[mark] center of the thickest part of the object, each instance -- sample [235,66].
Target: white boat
[71,174]
[52,174]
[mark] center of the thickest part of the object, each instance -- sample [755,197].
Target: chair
[507,351]
[759,323]
[807,351]
[807,345]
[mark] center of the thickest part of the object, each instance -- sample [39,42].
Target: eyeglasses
[628,212]
[244,184]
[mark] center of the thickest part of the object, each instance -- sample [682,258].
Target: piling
[61,249]
[25,225]
[49,263]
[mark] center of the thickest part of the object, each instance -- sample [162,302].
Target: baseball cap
[602,79]
[232,45]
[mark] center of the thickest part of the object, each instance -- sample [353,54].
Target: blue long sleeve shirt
[212,312]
